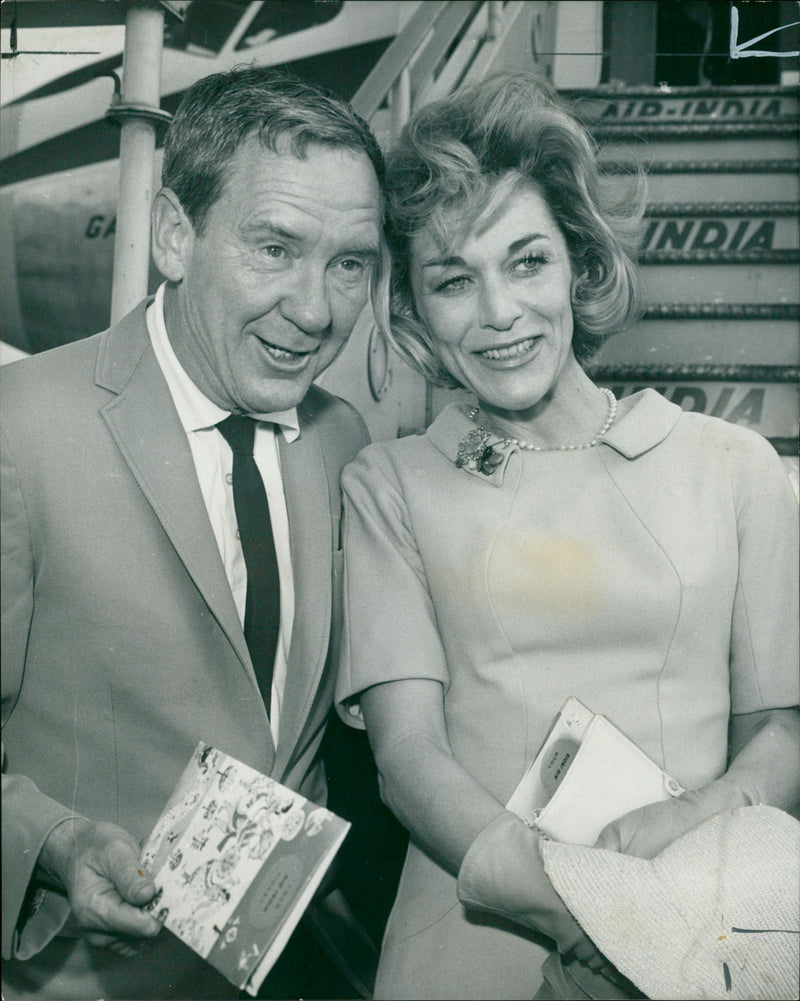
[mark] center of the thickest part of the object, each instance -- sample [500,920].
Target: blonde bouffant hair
[471,150]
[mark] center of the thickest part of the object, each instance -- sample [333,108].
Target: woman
[540,542]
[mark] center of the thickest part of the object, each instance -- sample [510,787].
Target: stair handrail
[433,36]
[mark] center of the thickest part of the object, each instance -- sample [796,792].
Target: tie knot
[239,432]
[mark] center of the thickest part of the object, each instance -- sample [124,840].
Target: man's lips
[285,358]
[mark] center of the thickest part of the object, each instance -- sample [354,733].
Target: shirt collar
[195,410]
[644,420]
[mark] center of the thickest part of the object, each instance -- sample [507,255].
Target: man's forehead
[333,179]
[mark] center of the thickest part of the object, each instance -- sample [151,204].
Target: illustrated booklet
[236,858]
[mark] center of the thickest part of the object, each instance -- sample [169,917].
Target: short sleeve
[390,630]
[764,630]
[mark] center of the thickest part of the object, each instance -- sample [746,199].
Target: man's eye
[352,270]
[275,251]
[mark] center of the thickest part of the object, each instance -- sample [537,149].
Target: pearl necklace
[530,447]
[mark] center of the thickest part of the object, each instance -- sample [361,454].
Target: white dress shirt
[213,461]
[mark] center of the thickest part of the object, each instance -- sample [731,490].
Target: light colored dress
[652,576]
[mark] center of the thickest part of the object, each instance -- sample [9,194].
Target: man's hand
[97,865]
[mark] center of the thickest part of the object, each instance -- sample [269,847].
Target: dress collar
[644,420]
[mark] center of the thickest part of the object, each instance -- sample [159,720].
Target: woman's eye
[455,284]
[530,264]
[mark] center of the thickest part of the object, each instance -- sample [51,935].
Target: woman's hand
[503,873]
[763,769]
[646,832]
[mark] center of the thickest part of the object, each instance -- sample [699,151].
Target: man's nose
[498,307]
[306,303]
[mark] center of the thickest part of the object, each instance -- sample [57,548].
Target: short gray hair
[219,112]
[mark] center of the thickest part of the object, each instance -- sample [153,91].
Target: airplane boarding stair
[719,245]
[719,250]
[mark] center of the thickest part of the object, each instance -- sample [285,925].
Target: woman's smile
[509,355]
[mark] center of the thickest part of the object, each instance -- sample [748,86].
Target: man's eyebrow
[458,262]
[265,226]
[362,249]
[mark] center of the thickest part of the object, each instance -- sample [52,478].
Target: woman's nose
[498,308]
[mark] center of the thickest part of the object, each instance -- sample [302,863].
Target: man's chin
[281,395]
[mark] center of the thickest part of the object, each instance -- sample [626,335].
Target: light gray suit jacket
[121,642]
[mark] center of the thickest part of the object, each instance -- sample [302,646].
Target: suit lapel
[145,425]
[305,485]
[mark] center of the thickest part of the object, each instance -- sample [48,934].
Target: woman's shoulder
[702,448]
[733,444]
[386,461]
[419,454]
[649,420]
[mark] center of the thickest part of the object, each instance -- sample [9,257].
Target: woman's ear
[173,236]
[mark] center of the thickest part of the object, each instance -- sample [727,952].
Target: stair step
[722,226]
[707,255]
[702,281]
[703,341]
[722,180]
[759,311]
[748,128]
[650,150]
[684,104]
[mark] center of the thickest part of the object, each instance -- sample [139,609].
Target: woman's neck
[572,413]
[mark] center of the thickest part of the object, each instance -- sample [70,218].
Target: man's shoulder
[31,380]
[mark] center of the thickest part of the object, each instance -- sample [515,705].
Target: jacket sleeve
[30,916]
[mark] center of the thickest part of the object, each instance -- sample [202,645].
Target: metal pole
[401,101]
[495,20]
[141,90]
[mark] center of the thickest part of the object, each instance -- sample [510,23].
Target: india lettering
[713,234]
[682,108]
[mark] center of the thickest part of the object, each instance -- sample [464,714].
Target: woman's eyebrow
[523,241]
[445,262]
[458,262]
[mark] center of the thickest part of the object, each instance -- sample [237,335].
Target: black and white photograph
[399,433]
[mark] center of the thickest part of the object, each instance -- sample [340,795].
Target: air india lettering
[717,108]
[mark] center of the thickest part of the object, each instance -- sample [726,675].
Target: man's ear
[173,235]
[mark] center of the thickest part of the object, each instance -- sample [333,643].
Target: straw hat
[715,915]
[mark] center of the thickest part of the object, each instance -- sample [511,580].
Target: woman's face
[498,305]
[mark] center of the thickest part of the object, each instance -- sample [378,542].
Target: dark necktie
[262,607]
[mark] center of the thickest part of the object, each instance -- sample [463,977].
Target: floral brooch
[476,452]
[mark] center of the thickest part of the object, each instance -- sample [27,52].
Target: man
[136,621]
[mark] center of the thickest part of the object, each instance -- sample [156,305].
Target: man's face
[272,284]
